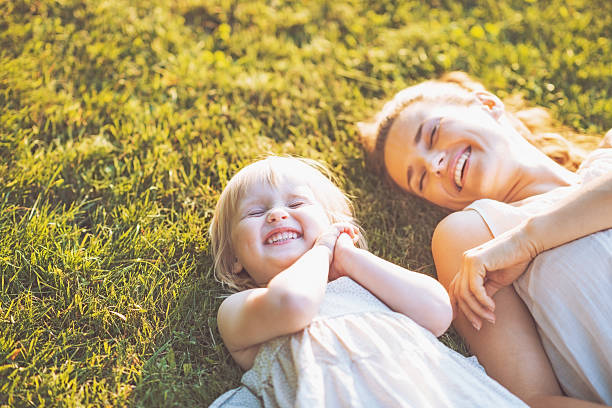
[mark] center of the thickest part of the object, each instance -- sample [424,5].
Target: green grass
[121,121]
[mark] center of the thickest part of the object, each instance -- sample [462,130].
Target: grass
[121,121]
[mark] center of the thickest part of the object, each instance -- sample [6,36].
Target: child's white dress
[359,353]
[568,290]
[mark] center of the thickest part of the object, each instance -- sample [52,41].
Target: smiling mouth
[460,168]
[282,237]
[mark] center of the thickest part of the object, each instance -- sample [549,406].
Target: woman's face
[452,155]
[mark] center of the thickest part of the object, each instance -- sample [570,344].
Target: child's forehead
[284,184]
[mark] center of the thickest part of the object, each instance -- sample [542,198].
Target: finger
[352,231]
[345,238]
[470,316]
[345,227]
[475,273]
[476,286]
[464,298]
[492,288]
[477,308]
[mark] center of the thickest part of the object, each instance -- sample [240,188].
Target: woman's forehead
[422,110]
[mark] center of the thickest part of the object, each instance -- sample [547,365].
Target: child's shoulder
[232,300]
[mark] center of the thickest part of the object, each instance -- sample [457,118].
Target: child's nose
[276,214]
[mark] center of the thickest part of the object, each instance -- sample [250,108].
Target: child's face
[274,226]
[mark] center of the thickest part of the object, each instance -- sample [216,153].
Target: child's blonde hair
[271,171]
[534,124]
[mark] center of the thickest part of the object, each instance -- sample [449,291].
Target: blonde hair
[271,171]
[534,124]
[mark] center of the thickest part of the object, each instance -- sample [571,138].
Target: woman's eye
[431,135]
[421,180]
[433,132]
[296,204]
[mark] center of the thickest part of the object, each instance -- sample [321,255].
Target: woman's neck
[540,175]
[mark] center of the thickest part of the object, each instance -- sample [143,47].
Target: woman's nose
[276,214]
[436,163]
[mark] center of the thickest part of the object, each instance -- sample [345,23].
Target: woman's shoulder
[455,234]
[498,216]
[458,230]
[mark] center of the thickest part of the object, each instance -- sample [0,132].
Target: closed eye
[434,130]
[255,213]
[296,204]
[431,135]
[421,181]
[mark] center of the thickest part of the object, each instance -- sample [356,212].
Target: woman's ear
[366,129]
[491,103]
[367,134]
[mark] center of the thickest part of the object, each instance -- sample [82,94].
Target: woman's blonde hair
[534,124]
[271,171]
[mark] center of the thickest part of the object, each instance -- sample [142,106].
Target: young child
[320,321]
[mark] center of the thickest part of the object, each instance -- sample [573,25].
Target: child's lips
[280,236]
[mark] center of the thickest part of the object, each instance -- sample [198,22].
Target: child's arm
[414,294]
[286,305]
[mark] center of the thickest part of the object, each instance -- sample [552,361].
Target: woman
[455,144]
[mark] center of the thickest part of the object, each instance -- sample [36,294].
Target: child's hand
[344,245]
[330,236]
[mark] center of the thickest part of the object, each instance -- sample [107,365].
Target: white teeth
[459,168]
[281,236]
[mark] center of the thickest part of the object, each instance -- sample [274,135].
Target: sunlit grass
[121,121]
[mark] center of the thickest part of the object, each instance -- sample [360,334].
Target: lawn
[121,121]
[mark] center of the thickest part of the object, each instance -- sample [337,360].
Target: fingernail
[476,326]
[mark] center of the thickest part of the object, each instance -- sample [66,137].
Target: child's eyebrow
[300,195]
[247,203]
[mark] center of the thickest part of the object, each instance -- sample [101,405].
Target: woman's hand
[486,269]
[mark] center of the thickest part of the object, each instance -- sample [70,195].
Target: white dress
[359,353]
[568,290]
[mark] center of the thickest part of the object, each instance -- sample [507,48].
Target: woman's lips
[460,168]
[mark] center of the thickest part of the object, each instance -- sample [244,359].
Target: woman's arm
[416,295]
[585,211]
[510,350]
[499,262]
